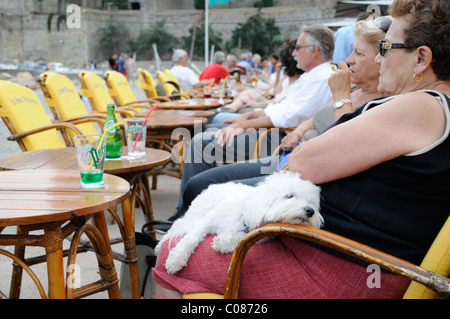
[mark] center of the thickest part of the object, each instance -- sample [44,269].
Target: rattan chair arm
[59,125]
[433,281]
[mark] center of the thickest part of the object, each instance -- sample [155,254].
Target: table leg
[16,278]
[53,241]
[109,270]
[130,248]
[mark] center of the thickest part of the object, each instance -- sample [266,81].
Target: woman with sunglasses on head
[381,171]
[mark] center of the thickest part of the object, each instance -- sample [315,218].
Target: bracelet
[341,103]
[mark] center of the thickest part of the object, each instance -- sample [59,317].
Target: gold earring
[415,78]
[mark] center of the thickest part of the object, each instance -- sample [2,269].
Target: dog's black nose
[309,211]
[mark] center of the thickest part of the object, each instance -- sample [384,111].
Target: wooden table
[52,201]
[192,104]
[177,113]
[131,169]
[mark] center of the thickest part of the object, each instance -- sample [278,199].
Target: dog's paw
[226,242]
[173,264]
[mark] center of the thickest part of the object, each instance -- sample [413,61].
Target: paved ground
[164,198]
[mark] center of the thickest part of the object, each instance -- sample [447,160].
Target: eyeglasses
[383,23]
[384,46]
[298,47]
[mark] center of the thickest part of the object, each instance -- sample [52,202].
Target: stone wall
[24,35]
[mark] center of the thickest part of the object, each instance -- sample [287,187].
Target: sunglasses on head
[383,23]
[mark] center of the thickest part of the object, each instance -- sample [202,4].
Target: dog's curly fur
[226,210]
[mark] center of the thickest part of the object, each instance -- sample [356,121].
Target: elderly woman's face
[362,63]
[397,65]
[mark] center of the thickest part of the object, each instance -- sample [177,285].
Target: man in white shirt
[187,78]
[313,52]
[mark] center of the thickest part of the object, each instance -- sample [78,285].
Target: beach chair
[29,123]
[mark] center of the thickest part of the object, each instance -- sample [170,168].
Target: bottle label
[108,124]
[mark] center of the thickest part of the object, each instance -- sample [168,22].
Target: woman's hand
[340,82]
[290,141]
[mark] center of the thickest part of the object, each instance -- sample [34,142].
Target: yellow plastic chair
[28,122]
[65,103]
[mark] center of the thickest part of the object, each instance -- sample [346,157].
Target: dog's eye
[289,196]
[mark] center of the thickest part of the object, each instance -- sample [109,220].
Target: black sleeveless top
[398,206]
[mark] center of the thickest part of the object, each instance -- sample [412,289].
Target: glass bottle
[114,141]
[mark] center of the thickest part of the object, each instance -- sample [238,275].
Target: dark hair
[287,60]
[429,25]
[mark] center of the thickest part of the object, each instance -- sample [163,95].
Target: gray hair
[219,57]
[322,37]
[178,54]
[232,58]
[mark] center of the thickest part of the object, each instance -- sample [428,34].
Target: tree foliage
[115,39]
[158,34]
[119,4]
[199,4]
[258,35]
[263,3]
[199,43]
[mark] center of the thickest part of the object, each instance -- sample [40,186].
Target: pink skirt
[284,268]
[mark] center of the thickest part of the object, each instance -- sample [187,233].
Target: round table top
[30,197]
[192,104]
[65,158]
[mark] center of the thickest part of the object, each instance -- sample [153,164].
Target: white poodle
[231,210]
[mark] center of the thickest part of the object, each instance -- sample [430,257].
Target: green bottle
[114,141]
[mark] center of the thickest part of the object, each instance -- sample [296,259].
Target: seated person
[308,94]
[244,63]
[377,167]
[363,73]
[231,66]
[187,78]
[215,70]
[253,98]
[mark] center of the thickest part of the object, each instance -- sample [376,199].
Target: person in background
[244,63]
[112,62]
[187,78]
[215,70]
[232,69]
[130,66]
[121,64]
[344,39]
